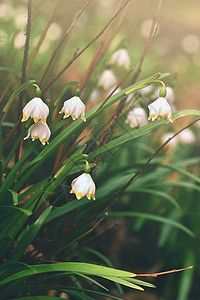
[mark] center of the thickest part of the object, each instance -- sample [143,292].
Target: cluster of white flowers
[83,185]
[107,80]
[39,111]
[160,108]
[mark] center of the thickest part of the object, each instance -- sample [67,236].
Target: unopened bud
[87,167]
[163,92]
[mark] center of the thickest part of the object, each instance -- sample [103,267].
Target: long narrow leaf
[71,267]
[153,218]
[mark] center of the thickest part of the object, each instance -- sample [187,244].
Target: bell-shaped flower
[39,131]
[160,108]
[107,80]
[137,117]
[82,186]
[73,107]
[120,58]
[35,109]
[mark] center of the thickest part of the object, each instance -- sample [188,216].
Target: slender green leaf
[133,134]
[93,281]
[6,209]
[37,298]
[67,289]
[59,211]
[28,235]
[71,267]
[141,282]
[153,218]
[104,259]
[124,281]
[21,88]
[186,281]
[154,192]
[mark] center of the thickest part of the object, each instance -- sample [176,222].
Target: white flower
[82,186]
[120,58]
[39,131]
[107,80]
[187,136]
[137,117]
[170,97]
[73,107]
[35,109]
[160,108]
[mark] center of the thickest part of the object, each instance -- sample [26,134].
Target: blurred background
[140,246]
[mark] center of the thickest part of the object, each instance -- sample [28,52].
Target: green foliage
[48,238]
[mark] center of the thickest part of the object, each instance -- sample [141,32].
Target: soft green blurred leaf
[133,134]
[28,235]
[152,217]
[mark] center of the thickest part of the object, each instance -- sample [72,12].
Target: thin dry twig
[164,273]
[140,59]
[96,56]
[152,34]
[42,37]
[25,59]
[24,64]
[85,233]
[91,239]
[78,53]
[59,161]
[62,41]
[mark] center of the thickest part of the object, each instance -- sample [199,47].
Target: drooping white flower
[187,136]
[35,109]
[120,58]
[137,117]
[160,108]
[39,131]
[73,107]
[107,80]
[170,97]
[82,186]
